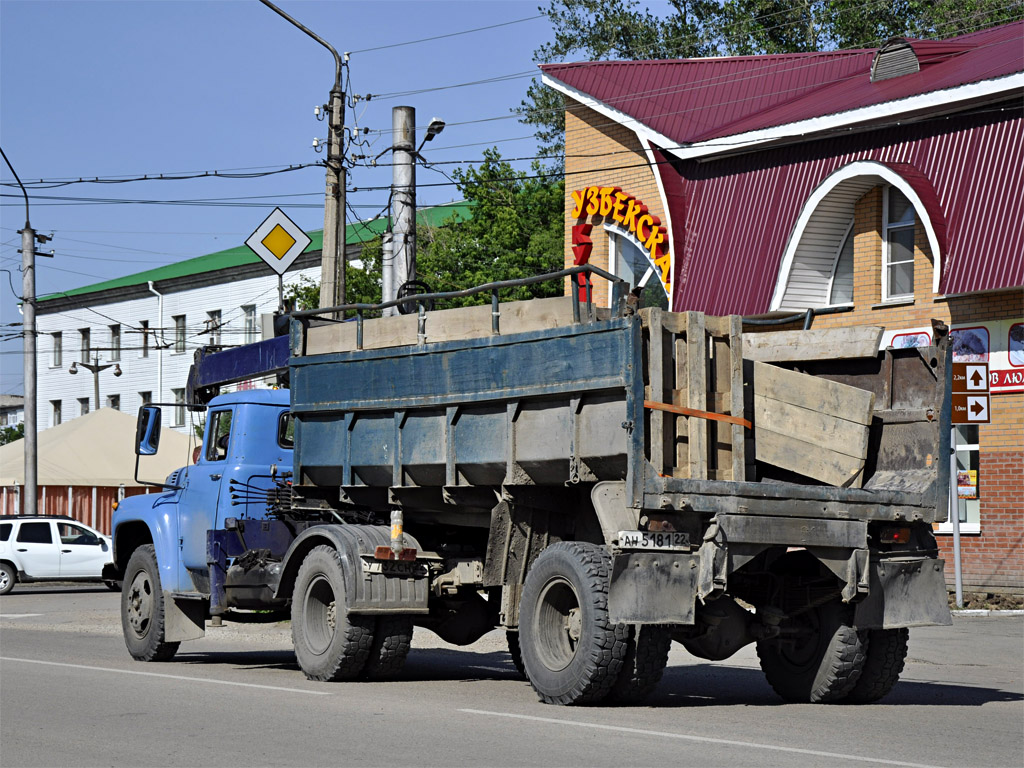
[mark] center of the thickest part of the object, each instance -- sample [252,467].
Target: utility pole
[28,309]
[95,368]
[332,264]
[403,197]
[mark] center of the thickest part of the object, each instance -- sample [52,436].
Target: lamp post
[95,367]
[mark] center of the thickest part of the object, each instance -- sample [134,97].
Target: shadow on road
[697,685]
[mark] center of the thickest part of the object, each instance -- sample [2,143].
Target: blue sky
[96,88]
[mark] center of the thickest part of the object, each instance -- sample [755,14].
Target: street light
[95,367]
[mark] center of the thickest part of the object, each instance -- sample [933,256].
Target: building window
[630,262]
[840,290]
[58,350]
[83,406]
[897,246]
[179,333]
[86,346]
[114,401]
[144,327]
[213,326]
[179,407]
[969,484]
[55,412]
[145,398]
[249,315]
[115,342]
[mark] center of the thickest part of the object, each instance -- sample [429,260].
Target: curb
[985,612]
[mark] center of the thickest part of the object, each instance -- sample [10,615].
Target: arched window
[628,260]
[840,289]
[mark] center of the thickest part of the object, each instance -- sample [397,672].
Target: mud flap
[908,592]
[652,588]
[184,619]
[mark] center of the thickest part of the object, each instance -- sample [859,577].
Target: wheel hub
[140,604]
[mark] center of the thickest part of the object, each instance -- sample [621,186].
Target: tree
[10,434]
[596,30]
[516,231]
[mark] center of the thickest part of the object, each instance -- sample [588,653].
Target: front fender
[368,590]
[151,519]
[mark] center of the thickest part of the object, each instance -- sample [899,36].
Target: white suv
[51,548]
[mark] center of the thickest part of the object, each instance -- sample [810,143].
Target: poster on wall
[967,483]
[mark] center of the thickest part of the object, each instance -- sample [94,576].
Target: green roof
[359,232]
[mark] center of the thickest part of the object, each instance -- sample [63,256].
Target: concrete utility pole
[403,198]
[28,310]
[332,264]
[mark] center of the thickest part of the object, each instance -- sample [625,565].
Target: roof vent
[894,59]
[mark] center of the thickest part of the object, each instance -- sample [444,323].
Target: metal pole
[332,258]
[954,513]
[96,379]
[403,198]
[28,309]
[387,276]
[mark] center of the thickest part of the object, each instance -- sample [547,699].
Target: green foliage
[516,231]
[597,30]
[10,434]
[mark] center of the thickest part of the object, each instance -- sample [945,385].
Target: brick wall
[599,153]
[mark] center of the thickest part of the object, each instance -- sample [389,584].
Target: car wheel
[8,578]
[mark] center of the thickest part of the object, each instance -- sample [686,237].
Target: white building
[12,410]
[147,326]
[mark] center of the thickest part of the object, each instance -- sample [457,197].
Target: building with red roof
[875,187]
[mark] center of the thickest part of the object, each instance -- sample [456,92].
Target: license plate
[407,568]
[654,540]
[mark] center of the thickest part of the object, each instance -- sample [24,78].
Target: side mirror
[147,431]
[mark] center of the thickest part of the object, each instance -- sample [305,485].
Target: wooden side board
[815,427]
[441,325]
[823,344]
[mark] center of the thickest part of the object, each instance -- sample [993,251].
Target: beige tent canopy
[97,449]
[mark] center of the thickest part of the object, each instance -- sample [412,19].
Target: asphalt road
[71,696]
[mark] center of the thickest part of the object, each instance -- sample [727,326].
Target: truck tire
[330,644]
[887,650]
[645,662]
[142,608]
[515,652]
[392,639]
[820,661]
[572,653]
[8,578]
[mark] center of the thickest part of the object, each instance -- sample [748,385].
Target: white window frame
[249,320]
[115,342]
[614,234]
[84,406]
[57,349]
[179,407]
[179,334]
[56,413]
[835,268]
[85,344]
[886,261]
[144,328]
[114,401]
[967,528]
[214,323]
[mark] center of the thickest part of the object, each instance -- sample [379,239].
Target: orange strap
[655,406]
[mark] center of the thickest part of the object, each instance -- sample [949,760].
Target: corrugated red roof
[693,100]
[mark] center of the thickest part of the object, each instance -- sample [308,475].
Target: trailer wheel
[330,644]
[818,658]
[392,639]
[515,652]
[645,662]
[887,650]
[142,608]
[572,654]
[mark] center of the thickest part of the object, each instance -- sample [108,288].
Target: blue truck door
[206,479]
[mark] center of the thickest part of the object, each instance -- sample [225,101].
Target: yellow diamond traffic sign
[278,241]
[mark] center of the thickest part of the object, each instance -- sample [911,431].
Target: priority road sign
[970,409]
[278,241]
[970,377]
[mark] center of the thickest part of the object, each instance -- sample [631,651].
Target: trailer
[596,483]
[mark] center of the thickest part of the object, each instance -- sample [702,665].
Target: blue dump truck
[597,483]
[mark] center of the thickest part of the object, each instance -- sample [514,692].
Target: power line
[449,34]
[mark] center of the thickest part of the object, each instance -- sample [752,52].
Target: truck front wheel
[330,644]
[142,608]
[571,652]
[818,658]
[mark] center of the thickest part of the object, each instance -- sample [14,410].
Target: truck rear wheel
[330,644]
[572,654]
[515,652]
[887,650]
[645,662]
[142,608]
[818,658]
[392,639]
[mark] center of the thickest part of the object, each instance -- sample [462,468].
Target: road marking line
[169,677]
[18,615]
[701,739]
